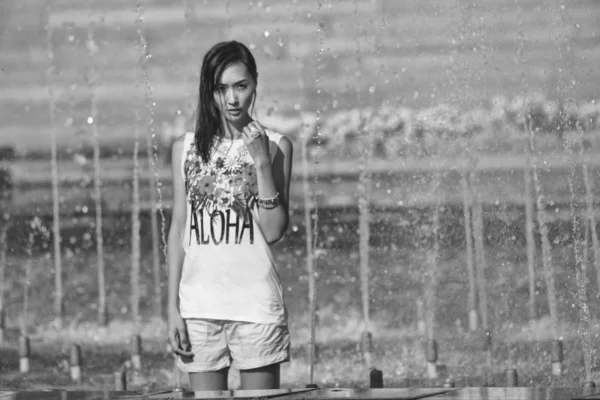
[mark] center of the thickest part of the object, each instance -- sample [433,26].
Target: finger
[246,130]
[175,344]
[261,129]
[183,353]
[171,339]
[185,348]
[184,340]
[258,126]
[256,131]
[252,132]
[246,135]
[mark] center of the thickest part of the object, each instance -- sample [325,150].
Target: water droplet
[71,38]
[295,228]
[372,89]
[280,42]
[266,33]
[90,120]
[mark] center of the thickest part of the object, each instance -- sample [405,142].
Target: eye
[242,86]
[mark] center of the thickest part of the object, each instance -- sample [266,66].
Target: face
[233,94]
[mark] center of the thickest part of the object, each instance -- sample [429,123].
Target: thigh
[267,377]
[258,348]
[209,380]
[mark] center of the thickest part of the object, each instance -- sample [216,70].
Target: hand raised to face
[257,142]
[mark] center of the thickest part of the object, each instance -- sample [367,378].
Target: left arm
[273,178]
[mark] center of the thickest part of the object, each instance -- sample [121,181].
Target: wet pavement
[471,393]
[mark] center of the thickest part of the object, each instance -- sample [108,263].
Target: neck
[233,130]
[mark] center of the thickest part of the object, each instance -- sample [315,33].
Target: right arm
[175,254]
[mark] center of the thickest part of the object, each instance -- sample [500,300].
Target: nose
[230,96]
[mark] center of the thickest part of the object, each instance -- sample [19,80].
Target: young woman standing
[231,182]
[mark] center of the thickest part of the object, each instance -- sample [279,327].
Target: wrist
[173,308]
[262,165]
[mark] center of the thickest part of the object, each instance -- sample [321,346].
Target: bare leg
[260,378]
[210,380]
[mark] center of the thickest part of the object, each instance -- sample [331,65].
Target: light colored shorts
[216,343]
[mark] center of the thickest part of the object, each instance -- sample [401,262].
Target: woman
[230,187]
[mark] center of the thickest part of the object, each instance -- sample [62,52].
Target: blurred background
[445,168]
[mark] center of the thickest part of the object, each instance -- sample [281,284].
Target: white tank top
[228,271]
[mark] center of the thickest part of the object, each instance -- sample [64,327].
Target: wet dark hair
[208,119]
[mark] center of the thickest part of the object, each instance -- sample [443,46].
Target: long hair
[208,118]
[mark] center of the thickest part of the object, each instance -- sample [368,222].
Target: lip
[234,110]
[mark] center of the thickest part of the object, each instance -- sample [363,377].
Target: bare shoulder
[285,144]
[282,141]
[177,146]
[177,149]
[180,139]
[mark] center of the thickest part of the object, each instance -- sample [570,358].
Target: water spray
[364,191]
[154,181]
[421,325]
[466,173]
[135,204]
[3,265]
[529,193]
[312,273]
[467,215]
[2,324]
[58,284]
[93,121]
[580,225]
